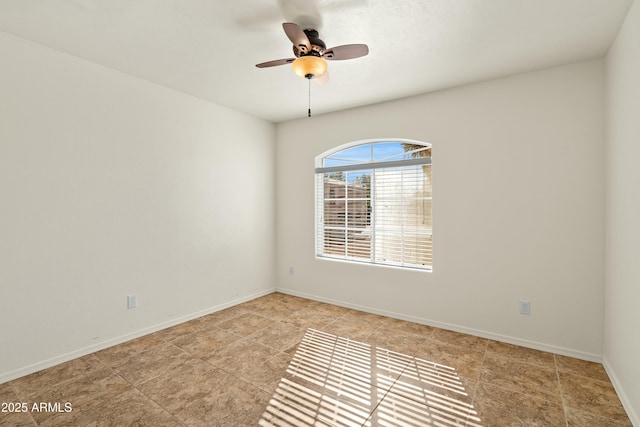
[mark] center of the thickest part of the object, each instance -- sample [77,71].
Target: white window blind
[379,214]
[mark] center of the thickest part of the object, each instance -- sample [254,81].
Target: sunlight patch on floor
[334,381]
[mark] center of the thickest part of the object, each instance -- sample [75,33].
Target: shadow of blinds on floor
[334,381]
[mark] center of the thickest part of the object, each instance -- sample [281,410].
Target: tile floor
[286,361]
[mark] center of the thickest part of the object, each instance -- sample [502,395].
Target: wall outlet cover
[525,307]
[132,302]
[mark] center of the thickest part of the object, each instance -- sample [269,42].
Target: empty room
[320,213]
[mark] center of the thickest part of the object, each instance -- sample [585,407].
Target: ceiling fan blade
[297,36]
[276,62]
[347,51]
[322,79]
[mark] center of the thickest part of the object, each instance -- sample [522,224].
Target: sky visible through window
[366,153]
[374,152]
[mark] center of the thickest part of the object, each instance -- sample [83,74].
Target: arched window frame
[388,233]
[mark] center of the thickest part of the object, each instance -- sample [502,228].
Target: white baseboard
[479,333]
[35,367]
[626,403]
[26,370]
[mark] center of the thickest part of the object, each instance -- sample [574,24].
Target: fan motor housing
[317,45]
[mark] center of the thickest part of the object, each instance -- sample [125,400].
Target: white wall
[518,209]
[109,186]
[622,316]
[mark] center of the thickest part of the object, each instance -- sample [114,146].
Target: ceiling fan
[311,52]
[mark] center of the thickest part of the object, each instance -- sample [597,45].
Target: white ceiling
[208,48]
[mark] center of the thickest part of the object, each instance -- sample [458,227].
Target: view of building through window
[374,204]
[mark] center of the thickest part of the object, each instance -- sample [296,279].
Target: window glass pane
[418,214]
[334,199]
[377,152]
[417,248]
[334,186]
[358,244]
[426,177]
[415,151]
[388,245]
[358,213]
[334,213]
[359,184]
[386,151]
[350,156]
[334,243]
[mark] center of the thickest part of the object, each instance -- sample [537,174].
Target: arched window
[373,203]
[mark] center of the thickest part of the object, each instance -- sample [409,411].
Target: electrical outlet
[525,307]
[132,302]
[291,271]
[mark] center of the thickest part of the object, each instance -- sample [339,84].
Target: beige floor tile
[268,374]
[362,316]
[169,334]
[585,419]
[522,354]
[14,414]
[399,411]
[250,417]
[95,383]
[571,365]
[265,301]
[224,315]
[7,394]
[294,303]
[228,401]
[206,342]
[246,324]
[591,396]
[291,350]
[6,389]
[323,358]
[30,385]
[313,355]
[465,361]
[300,402]
[358,329]
[308,319]
[390,324]
[280,336]
[276,308]
[461,340]
[521,377]
[334,311]
[98,385]
[498,407]
[396,340]
[276,313]
[20,419]
[113,355]
[149,364]
[240,356]
[130,408]
[174,391]
[422,380]
[278,298]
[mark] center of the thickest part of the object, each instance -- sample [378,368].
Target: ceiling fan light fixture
[309,66]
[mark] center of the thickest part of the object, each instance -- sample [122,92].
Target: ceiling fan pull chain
[309,111]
